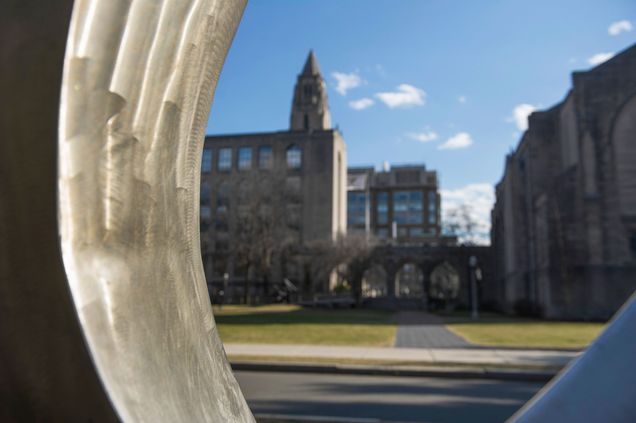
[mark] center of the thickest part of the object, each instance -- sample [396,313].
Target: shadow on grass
[305,316]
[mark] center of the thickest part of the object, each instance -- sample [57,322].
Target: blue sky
[460,69]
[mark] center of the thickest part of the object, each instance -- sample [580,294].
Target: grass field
[498,331]
[285,324]
[290,324]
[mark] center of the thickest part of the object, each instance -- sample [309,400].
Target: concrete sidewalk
[418,356]
[417,329]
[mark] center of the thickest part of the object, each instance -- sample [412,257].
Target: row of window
[407,208]
[265,158]
[293,216]
[402,232]
[292,192]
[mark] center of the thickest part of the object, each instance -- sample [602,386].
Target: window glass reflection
[294,157]
[225,159]
[245,158]
[265,157]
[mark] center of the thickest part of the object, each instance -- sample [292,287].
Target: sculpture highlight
[139,77]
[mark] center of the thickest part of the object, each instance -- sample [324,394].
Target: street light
[472,263]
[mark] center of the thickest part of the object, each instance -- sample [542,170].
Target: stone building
[564,222]
[294,181]
[288,194]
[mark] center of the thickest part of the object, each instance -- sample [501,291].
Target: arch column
[391,270]
[425,283]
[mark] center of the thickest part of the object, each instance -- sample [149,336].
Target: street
[403,399]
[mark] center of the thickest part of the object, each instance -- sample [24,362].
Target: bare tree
[262,225]
[348,255]
[460,222]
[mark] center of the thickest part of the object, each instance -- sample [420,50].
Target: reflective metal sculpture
[136,340]
[599,386]
[138,82]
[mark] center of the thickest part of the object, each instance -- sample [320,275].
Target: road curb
[288,418]
[512,374]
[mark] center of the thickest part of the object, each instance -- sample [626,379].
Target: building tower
[310,109]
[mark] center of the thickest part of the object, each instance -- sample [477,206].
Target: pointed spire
[311,65]
[310,109]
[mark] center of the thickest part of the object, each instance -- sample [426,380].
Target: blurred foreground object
[120,167]
[596,387]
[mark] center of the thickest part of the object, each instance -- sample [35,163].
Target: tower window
[225,159]
[245,158]
[206,162]
[265,157]
[306,122]
[294,157]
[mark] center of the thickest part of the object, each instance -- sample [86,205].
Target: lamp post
[472,264]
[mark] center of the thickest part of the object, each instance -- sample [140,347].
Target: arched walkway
[374,282]
[444,283]
[409,281]
[338,281]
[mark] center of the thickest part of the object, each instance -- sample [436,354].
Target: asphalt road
[402,399]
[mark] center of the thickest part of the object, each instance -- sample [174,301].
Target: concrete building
[564,222]
[297,175]
[400,204]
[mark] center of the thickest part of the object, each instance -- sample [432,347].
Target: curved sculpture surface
[596,387]
[138,83]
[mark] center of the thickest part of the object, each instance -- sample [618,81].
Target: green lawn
[284,324]
[290,324]
[498,331]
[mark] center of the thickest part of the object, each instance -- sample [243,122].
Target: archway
[338,280]
[444,285]
[409,281]
[374,282]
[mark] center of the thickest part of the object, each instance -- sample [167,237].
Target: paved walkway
[422,330]
[419,356]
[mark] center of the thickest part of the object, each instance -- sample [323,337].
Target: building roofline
[269,133]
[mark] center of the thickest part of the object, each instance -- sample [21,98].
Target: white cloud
[479,198]
[599,58]
[363,103]
[457,141]
[405,96]
[462,99]
[619,26]
[520,115]
[423,137]
[346,81]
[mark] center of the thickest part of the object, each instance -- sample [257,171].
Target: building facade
[564,222]
[400,204]
[414,265]
[280,189]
